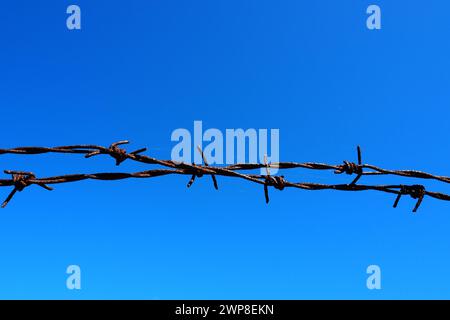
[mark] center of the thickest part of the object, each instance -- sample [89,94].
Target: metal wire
[20,179]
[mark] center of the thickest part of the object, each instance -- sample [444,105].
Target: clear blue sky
[140,69]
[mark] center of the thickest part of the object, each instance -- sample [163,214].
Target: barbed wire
[22,179]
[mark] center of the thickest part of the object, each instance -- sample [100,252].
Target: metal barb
[352,168]
[21,180]
[416,191]
[119,154]
[267,180]
[213,177]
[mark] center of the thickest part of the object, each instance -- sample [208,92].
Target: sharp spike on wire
[213,177]
[21,180]
[118,143]
[415,191]
[266,186]
[359,166]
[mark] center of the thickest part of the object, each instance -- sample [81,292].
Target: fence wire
[21,179]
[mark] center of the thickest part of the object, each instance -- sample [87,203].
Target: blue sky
[138,70]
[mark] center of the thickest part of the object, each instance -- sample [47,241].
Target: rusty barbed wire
[22,179]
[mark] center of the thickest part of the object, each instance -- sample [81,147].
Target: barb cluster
[20,179]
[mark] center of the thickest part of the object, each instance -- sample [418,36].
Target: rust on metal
[21,179]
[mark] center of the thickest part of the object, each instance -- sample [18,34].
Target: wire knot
[21,180]
[352,168]
[277,182]
[119,154]
[416,191]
